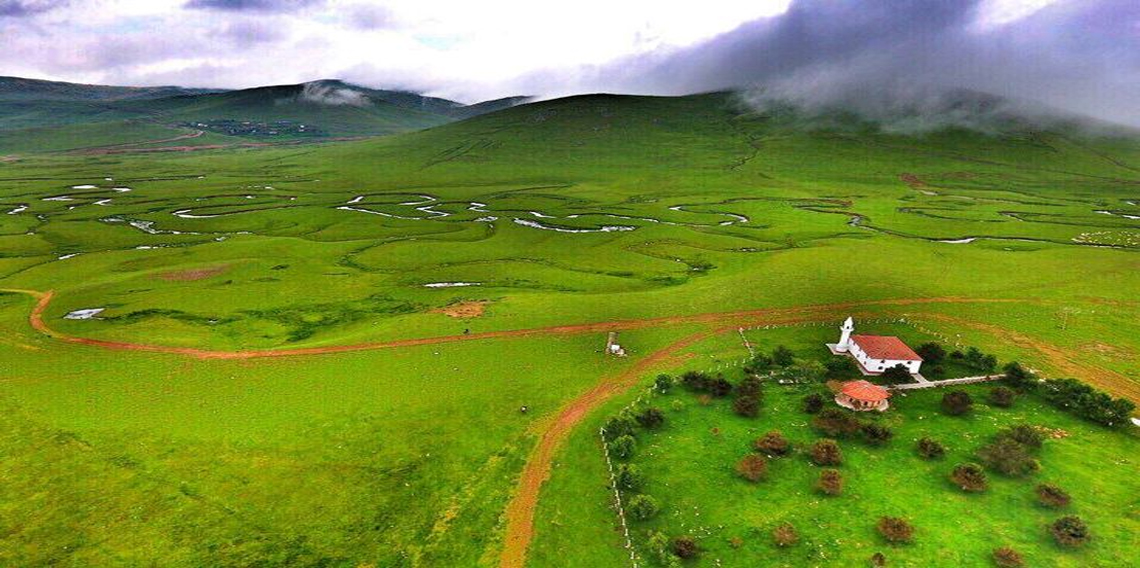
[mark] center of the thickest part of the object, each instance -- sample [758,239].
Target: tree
[620,425]
[695,381]
[813,403]
[661,549]
[642,507]
[1019,377]
[747,406]
[826,452]
[878,560]
[1008,457]
[895,529]
[663,384]
[896,375]
[1052,496]
[840,368]
[930,448]
[1001,397]
[1025,435]
[1074,396]
[752,467]
[760,363]
[1006,557]
[783,356]
[720,387]
[685,547]
[651,418]
[969,477]
[957,403]
[785,535]
[830,482]
[835,423]
[629,477]
[773,443]
[876,434]
[932,353]
[623,447]
[750,386]
[1070,531]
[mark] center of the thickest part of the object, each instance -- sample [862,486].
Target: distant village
[231,127]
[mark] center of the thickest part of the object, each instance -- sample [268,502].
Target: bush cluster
[749,394]
[1012,451]
[1091,404]
[1070,531]
[773,443]
[785,535]
[969,477]
[752,467]
[1002,397]
[930,448]
[895,529]
[813,403]
[1052,496]
[830,482]
[1006,557]
[826,453]
[701,382]
[957,403]
[835,423]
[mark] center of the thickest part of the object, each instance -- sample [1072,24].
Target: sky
[1079,55]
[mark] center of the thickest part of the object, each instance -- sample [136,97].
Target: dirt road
[724,318]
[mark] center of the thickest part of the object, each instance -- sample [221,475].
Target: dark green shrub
[895,529]
[969,477]
[1052,496]
[651,418]
[783,356]
[826,452]
[813,403]
[642,507]
[1006,557]
[752,467]
[663,384]
[830,482]
[629,477]
[835,423]
[1070,531]
[930,448]
[1008,457]
[685,547]
[957,403]
[622,447]
[1001,397]
[773,443]
[876,434]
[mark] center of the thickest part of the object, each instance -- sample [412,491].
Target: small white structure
[875,353]
[612,347]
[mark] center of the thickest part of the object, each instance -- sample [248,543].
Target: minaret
[845,335]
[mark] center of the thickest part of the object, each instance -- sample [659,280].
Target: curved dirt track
[36,320]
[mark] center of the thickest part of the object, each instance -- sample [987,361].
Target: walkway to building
[925,384]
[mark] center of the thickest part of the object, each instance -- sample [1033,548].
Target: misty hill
[46,115]
[724,134]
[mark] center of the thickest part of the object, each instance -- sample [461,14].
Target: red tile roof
[865,391]
[885,347]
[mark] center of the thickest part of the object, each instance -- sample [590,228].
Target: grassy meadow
[572,211]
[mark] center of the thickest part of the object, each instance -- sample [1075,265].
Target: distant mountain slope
[18,88]
[30,109]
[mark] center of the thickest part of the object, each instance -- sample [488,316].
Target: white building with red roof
[875,353]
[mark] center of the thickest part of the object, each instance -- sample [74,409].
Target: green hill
[44,115]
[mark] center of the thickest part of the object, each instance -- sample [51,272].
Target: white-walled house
[875,353]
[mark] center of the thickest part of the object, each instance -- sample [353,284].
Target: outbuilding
[862,396]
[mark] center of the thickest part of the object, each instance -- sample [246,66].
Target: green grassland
[586,209]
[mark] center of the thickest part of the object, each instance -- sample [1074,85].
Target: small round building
[862,396]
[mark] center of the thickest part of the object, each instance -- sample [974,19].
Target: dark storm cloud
[26,8]
[881,57]
[253,5]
